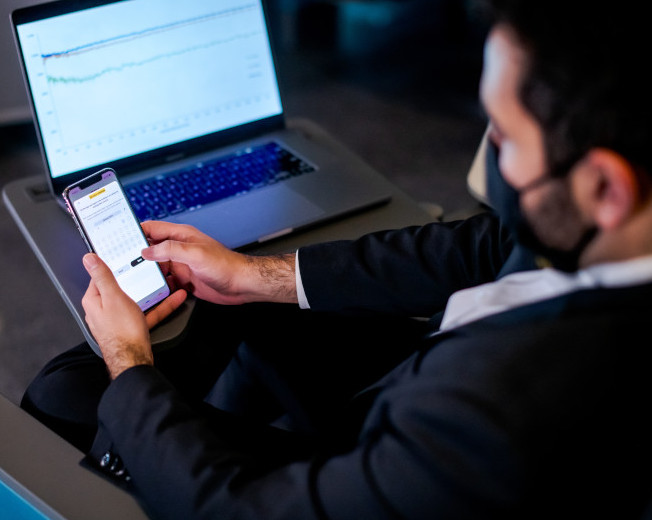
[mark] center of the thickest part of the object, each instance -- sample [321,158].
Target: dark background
[396,81]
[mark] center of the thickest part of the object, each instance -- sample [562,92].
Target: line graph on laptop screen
[116,80]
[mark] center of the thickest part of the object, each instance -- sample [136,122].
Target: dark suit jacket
[538,412]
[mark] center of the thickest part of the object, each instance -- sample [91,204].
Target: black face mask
[505,201]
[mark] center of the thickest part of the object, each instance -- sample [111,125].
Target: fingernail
[90,261]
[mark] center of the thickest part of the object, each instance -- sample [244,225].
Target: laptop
[182,99]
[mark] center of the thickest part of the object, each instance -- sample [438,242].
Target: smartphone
[110,228]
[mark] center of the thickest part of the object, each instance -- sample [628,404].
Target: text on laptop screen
[129,77]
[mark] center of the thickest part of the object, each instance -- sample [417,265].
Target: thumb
[99,272]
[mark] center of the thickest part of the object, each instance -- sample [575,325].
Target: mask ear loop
[535,184]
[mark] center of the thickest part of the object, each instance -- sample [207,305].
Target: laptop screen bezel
[148,159]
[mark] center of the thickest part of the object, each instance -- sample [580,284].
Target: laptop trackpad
[257,215]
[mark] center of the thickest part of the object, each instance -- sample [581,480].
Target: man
[528,398]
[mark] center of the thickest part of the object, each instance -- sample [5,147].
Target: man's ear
[609,186]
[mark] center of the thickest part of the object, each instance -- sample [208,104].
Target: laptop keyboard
[234,174]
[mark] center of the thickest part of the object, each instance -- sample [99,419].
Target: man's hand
[213,272]
[115,320]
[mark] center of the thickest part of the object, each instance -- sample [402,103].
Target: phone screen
[110,228]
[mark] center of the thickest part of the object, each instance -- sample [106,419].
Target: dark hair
[585,83]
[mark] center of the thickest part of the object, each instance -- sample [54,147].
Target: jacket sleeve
[410,272]
[180,468]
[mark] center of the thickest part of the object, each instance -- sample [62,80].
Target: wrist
[272,278]
[126,357]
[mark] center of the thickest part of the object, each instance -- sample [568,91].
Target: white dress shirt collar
[527,287]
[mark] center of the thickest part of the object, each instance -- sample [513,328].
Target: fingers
[91,299]
[170,250]
[165,308]
[157,231]
[101,276]
[182,259]
[175,243]
[104,287]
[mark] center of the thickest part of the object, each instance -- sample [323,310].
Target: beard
[555,219]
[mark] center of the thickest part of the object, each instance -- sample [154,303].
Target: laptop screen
[117,80]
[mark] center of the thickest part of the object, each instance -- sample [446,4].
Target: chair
[476,178]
